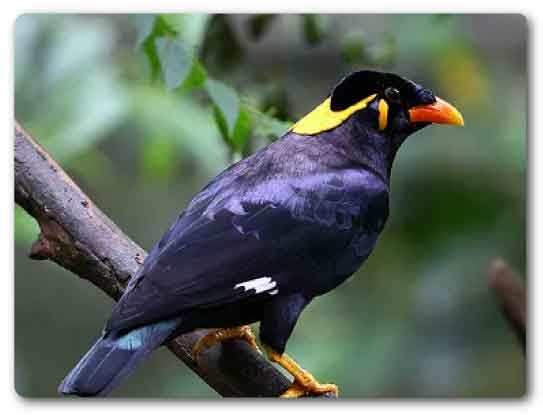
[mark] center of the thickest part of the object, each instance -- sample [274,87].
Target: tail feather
[113,357]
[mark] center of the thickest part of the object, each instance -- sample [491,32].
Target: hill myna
[269,234]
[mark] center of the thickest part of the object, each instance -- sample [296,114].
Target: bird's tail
[113,357]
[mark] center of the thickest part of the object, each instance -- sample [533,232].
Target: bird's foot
[314,388]
[220,335]
[304,383]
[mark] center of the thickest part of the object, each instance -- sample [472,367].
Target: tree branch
[511,295]
[79,237]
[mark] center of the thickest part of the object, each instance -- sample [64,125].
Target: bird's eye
[392,95]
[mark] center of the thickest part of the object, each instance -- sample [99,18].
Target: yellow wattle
[322,118]
[383,114]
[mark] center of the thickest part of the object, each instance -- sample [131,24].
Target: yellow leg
[304,382]
[221,335]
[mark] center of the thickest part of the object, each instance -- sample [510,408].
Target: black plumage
[264,237]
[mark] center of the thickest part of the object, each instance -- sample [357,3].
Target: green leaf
[192,126]
[242,130]
[152,58]
[196,78]
[175,61]
[163,27]
[158,28]
[144,27]
[227,103]
[190,28]
[221,124]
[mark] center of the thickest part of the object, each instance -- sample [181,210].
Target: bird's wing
[222,250]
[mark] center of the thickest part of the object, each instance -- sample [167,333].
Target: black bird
[269,234]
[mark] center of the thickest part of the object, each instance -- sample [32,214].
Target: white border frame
[12,403]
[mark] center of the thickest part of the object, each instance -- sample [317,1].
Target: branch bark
[79,237]
[511,295]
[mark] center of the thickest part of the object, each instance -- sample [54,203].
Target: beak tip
[460,121]
[455,116]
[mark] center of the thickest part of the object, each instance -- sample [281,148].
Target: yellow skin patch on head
[322,118]
[383,114]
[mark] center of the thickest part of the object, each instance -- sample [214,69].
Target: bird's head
[386,104]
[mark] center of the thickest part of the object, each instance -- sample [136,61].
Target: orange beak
[440,112]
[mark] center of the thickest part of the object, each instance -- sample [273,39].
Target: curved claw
[293,391]
[305,383]
[314,389]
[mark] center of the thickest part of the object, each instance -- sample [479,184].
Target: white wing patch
[259,285]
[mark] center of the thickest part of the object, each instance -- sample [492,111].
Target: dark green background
[418,319]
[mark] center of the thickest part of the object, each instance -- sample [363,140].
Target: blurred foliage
[314,28]
[172,43]
[221,31]
[143,110]
[258,25]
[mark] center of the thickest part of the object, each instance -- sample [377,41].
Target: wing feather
[239,229]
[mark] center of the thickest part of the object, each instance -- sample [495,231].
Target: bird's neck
[368,148]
